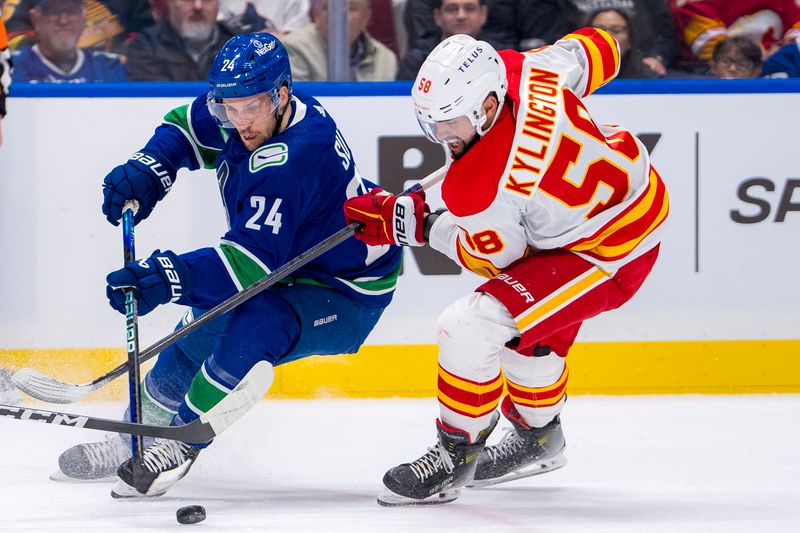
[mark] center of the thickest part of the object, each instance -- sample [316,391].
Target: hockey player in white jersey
[561,214]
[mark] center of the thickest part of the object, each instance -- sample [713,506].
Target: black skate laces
[430,463]
[509,445]
[164,454]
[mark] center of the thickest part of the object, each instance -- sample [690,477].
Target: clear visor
[458,129]
[233,111]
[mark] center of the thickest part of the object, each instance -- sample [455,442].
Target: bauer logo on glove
[388,219]
[163,277]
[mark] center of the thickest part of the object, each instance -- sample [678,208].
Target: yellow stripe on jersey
[480,266]
[602,54]
[625,248]
[558,299]
[654,192]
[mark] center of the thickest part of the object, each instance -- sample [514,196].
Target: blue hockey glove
[144,179]
[163,277]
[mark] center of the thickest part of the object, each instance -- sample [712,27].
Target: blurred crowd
[176,40]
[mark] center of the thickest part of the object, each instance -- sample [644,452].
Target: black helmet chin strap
[278,120]
[279,116]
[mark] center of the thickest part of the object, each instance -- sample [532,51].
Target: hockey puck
[191,514]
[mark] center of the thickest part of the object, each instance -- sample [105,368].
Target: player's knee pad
[471,333]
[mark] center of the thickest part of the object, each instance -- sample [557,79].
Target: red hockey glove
[388,219]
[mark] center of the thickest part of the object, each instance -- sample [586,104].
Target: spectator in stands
[785,63]
[650,21]
[702,24]
[5,75]
[451,17]
[109,24]
[632,59]
[736,57]
[308,47]
[525,24]
[277,17]
[180,47]
[55,57]
[516,24]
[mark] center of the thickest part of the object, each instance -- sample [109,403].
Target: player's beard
[458,147]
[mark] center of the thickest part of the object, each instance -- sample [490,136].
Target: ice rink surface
[710,464]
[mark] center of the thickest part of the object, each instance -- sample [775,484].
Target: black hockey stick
[210,424]
[132,331]
[46,388]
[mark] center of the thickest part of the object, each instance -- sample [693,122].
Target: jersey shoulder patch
[271,155]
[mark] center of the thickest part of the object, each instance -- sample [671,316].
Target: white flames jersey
[546,176]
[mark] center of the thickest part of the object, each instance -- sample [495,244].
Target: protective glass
[461,128]
[229,113]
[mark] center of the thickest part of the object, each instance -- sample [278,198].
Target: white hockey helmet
[452,83]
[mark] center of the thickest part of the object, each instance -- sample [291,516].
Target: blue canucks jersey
[280,199]
[31,66]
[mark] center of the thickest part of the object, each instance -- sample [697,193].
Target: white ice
[710,464]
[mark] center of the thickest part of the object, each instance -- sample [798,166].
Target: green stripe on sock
[203,394]
[154,414]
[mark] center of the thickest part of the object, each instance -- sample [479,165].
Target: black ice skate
[163,464]
[439,475]
[92,461]
[524,451]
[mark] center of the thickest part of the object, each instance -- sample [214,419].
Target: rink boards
[720,312]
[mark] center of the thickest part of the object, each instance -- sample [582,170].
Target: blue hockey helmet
[249,64]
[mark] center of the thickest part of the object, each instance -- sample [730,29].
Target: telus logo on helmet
[471,59]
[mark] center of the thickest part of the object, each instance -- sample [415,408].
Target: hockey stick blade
[45,388]
[246,394]
[48,389]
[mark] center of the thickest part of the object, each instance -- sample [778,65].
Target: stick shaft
[60,392]
[264,283]
[132,335]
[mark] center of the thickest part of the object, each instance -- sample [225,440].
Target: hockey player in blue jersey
[284,172]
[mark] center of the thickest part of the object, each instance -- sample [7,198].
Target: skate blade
[60,477]
[554,463]
[389,498]
[123,491]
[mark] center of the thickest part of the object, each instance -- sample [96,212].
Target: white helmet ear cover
[455,80]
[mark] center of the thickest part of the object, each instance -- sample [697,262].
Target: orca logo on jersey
[153,164]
